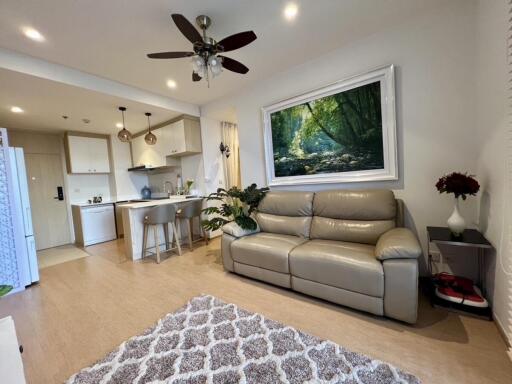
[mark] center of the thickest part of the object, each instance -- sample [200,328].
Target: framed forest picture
[344,132]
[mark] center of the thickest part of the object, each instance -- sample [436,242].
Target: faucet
[168,190]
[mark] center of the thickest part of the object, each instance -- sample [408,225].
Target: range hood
[147,168]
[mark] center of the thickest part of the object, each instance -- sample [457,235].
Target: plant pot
[456,222]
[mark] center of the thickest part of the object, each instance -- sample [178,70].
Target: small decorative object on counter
[97,199]
[461,185]
[188,185]
[145,192]
[235,205]
[179,185]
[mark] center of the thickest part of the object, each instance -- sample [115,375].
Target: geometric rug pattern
[210,341]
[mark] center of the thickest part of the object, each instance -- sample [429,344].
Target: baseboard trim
[502,332]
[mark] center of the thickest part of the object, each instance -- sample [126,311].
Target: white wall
[494,160]
[84,187]
[434,56]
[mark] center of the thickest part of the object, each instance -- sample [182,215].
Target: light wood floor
[64,253]
[84,308]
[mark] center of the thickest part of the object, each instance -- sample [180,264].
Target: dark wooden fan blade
[196,77]
[186,27]
[236,41]
[170,55]
[233,65]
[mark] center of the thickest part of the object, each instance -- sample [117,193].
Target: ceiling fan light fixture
[198,65]
[206,60]
[215,65]
[124,135]
[150,138]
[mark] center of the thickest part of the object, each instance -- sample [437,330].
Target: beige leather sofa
[348,247]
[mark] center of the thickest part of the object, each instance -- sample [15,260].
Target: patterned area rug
[209,341]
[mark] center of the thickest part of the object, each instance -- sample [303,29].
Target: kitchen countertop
[154,203]
[86,204]
[126,200]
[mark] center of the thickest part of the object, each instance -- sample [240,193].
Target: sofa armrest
[397,243]
[233,229]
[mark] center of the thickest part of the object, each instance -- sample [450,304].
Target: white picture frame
[386,76]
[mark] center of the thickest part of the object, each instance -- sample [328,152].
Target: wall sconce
[224,149]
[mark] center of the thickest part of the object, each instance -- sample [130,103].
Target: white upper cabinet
[185,137]
[87,154]
[180,138]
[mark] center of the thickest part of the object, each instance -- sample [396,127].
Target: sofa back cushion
[354,216]
[286,212]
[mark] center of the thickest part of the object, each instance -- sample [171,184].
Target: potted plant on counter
[234,205]
[461,185]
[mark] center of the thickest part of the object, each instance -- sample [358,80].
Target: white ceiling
[45,101]
[111,39]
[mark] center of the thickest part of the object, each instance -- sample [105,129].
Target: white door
[49,214]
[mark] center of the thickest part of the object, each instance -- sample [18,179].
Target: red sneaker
[459,290]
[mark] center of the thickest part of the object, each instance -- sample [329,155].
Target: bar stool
[161,215]
[187,213]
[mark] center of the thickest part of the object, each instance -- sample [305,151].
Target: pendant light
[124,135]
[149,138]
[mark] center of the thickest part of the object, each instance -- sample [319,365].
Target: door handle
[60,194]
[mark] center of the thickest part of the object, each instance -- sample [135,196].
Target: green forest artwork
[337,133]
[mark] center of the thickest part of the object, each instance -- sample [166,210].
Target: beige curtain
[231,163]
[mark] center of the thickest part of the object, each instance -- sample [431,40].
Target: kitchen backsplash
[84,187]
[156,180]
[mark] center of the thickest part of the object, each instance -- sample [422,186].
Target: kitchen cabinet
[185,137]
[94,224]
[174,140]
[87,154]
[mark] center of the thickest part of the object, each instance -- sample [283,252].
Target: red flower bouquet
[460,184]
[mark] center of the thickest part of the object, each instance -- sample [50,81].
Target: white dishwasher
[98,224]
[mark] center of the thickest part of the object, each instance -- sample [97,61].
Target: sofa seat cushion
[350,266]
[265,250]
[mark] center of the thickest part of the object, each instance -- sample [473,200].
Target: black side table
[471,238]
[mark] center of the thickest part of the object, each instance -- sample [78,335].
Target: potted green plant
[5,289]
[234,205]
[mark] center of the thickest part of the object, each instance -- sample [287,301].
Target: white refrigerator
[18,258]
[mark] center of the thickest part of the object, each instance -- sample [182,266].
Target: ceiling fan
[206,56]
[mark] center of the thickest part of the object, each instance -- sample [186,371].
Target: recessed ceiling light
[33,34]
[290,11]
[119,125]
[171,84]
[16,110]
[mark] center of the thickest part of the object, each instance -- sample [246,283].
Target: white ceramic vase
[456,222]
